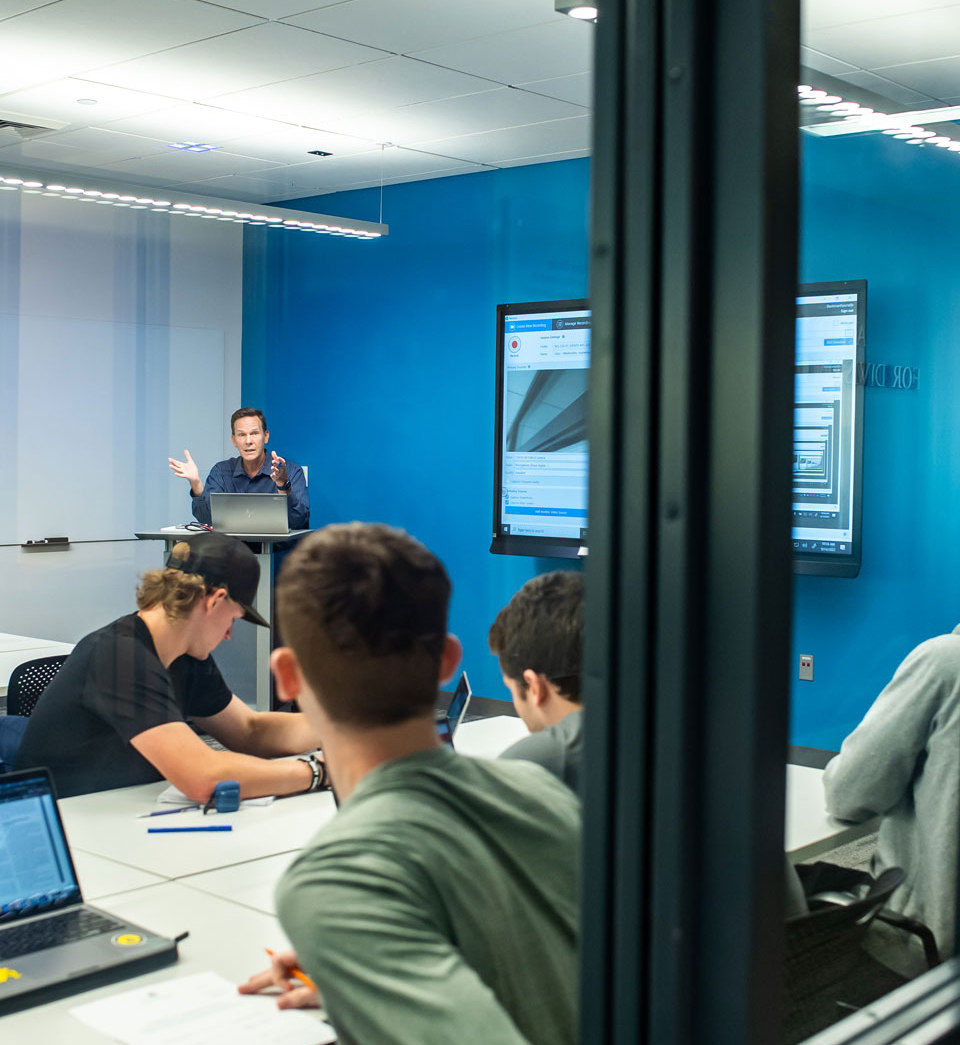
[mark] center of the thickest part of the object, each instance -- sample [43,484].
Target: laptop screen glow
[36,872]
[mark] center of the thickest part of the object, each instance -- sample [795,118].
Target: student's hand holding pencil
[298,991]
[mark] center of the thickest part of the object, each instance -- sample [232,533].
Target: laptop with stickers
[51,943]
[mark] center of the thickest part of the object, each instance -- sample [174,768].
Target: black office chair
[28,682]
[828,974]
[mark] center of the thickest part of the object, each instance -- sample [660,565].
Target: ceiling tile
[175,165]
[89,147]
[936,79]
[9,8]
[916,37]
[59,101]
[199,123]
[824,63]
[468,114]
[897,93]
[577,89]
[416,24]
[292,145]
[236,61]
[244,187]
[275,8]
[820,14]
[539,139]
[317,100]
[560,49]
[69,37]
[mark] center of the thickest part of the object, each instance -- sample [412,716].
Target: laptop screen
[36,872]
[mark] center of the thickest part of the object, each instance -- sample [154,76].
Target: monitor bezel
[516,544]
[826,564]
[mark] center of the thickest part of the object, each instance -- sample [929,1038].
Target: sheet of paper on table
[174,796]
[203,1009]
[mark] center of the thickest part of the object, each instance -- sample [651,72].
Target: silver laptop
[249,513]
[452,714]
[51,943]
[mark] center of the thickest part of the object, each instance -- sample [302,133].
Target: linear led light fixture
[90,189]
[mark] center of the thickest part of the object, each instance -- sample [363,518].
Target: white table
[224,937]
[16,649]
[106,825]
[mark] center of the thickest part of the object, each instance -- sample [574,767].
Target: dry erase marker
[297,973]
[181,830]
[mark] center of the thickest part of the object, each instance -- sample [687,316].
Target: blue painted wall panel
[375,362]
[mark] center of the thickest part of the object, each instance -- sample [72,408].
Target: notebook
[51,943]
[450,717]
[249,513]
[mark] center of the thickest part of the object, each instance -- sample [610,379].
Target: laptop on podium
[249,513]
[52,944]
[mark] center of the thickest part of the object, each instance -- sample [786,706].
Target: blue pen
[168,812]
[180,830]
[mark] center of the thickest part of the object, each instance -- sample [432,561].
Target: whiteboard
[92,409]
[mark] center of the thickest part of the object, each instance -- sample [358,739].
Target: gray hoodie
[903,761]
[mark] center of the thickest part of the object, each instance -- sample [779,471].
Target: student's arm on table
[195,768]
[267,734]
[878,760]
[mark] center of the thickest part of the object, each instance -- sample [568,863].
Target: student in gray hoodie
[903,763]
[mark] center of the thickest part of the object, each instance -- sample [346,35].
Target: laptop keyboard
[52,932]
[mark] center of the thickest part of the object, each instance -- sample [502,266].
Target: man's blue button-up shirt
[229,477]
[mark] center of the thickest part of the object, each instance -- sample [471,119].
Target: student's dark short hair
[541,628]
[248,411]
[364,608]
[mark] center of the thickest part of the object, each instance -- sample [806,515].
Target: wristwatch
[286,486]
[319,781]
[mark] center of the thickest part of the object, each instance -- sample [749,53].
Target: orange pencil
[298,974]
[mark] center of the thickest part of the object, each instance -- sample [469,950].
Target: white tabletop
[224,937]
[100,877]
[106,824]
[251,884]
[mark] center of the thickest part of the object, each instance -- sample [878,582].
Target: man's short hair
[247,411]
[541,628]
[364,608]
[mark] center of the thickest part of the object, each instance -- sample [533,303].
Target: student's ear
[450,657]
[214,598]
[286,673]
[536,686]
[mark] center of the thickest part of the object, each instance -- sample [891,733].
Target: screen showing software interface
[823,423]
[544,439]
[35,871]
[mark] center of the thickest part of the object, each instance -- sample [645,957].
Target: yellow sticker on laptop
[8,974]
[127,939]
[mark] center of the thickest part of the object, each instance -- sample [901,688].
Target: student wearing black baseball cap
[117,712]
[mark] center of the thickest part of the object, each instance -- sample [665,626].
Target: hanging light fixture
[585,12]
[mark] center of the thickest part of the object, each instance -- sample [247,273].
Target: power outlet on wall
[806,667]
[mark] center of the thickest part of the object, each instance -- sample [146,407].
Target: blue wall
[374,362]
[878,209]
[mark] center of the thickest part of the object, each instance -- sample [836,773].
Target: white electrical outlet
[806,667]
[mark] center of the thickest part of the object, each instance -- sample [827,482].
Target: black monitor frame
[514,544]
[832,564]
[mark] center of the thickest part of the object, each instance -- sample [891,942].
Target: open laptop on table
[51,943]
[249,513]
[452,714]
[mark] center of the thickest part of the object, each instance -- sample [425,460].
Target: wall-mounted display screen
[828,427]
[540,475]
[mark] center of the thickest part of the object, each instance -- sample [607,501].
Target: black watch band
[286,486]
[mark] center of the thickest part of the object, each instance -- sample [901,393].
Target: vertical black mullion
[748,578]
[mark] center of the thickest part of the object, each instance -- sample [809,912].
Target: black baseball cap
[224,562]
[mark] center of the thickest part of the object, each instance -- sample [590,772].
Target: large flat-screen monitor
[828,427]
[540,471]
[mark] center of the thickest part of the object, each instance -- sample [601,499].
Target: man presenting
[252,472]
[116,713]
[441,903]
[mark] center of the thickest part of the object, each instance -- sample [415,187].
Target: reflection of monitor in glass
[540,471]
[828,427]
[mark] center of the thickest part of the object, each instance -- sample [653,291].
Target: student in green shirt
[441,903]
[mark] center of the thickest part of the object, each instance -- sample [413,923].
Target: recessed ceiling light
[318,152]
[585,12]
[192,146]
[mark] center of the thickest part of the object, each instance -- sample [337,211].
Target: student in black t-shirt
[116,713]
